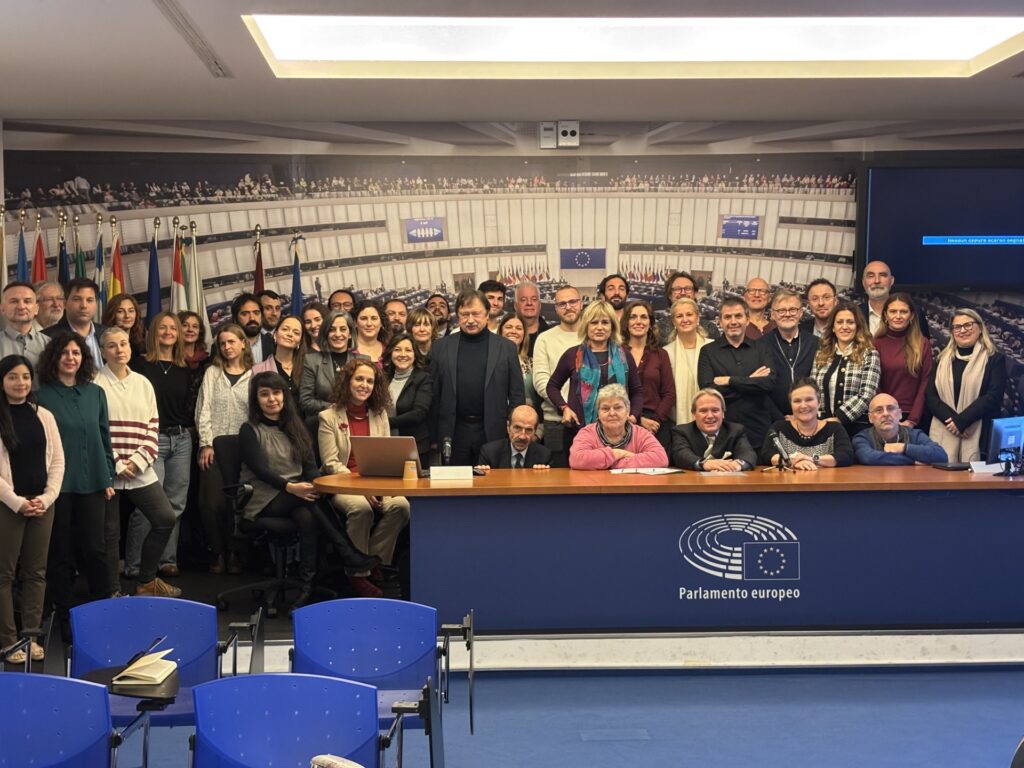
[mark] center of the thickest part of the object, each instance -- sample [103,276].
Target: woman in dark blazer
[320,368]
[405,367]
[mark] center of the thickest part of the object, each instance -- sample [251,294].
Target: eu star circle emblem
[582,259]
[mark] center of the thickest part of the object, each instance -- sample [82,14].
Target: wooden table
[858,547]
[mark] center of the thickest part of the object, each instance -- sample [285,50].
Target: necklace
[790,365]
[796,426]
[160,364]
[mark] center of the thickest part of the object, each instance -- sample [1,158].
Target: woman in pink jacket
[612,442]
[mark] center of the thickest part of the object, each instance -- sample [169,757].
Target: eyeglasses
[787,312]
[757,291]
[567,303]
[470,315]
[879,410]
[964,327]
[682,291]
[822,299]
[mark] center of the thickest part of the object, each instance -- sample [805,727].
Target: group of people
[96,416]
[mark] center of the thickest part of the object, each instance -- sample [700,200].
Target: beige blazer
[334,441]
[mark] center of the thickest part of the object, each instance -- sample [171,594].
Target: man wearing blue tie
[521,450]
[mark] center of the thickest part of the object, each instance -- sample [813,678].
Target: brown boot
[217,566]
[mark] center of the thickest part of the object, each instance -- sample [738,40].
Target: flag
[582,258]
[257,283]
[771,560]
[63,262]
[179,299]
[21,273]
[116,267]
[100,274]
[153,303]
[296,280]
[79,255]
[192,280]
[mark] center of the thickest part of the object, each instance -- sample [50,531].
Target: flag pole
[3,245]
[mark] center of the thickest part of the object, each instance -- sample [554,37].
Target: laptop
[385,456]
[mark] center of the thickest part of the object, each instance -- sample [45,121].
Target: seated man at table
[890,443]
[521,449]
[709,443]
[613,442]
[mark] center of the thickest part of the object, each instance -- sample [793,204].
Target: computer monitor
[1007,434]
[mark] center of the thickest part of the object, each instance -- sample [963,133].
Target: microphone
[784,459]
[446,451]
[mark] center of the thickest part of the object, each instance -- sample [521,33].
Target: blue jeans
[173,464]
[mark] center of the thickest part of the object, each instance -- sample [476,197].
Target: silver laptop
[385,456]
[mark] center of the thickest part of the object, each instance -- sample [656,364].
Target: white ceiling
[116,74]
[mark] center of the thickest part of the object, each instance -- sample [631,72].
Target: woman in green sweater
[66,370]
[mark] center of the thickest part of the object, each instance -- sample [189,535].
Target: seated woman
[613,442]
[360,407]
[277,460]
[810,441]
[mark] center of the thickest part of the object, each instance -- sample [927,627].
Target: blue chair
[389,644]
[109,632]
[54,721]
[284,720]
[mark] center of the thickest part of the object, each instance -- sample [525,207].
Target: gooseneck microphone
[446,451]
[784,460]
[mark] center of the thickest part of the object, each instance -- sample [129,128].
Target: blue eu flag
[582,258]
[771,560]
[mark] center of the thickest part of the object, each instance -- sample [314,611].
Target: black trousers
[78,524]
[152,502]
[466,442]
[302,512]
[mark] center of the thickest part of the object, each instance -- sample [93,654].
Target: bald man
[877,281]
[521,450]
[758,294]
[888,443]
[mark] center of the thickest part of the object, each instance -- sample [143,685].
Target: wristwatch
[816,459]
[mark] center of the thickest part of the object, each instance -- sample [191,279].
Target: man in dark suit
[246,312]
[520,450]
[79,311]
[709,443]
[791,348]
[483,369]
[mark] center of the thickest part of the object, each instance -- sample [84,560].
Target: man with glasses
[877,281]
[551,345]
[520,450]
[821,299]
[889,443]
[757,294]
[483,368]
[341,300]
[790,348]
[681,285]
[50,298]
[528,305]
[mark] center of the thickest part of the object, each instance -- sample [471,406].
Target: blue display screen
[741,227]
[947,227]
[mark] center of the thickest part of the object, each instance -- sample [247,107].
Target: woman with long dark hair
[640,337]
[409,384]
[31,473]
[320,369]
[846,368]
[360,407]
[313,316]
[372,331]
[220,410]
[289,354]
[123,312]
[66,371]
[905,356]
[277,460]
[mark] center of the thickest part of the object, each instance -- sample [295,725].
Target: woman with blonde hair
[846,368]
[422,326]
[683,349]
[905,356]
[966,388]
[596,361]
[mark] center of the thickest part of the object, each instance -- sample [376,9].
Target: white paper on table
[981,468]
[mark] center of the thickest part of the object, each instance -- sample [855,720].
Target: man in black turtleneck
[477,383]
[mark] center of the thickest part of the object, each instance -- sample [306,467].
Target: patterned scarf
[589,370]
[622,442]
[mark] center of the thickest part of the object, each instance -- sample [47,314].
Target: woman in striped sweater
[134,436]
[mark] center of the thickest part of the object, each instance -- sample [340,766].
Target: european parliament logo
[742,548]
[424,230]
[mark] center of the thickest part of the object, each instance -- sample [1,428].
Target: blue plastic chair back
[284,720]
[109,632]
[390,644]
[53,721]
